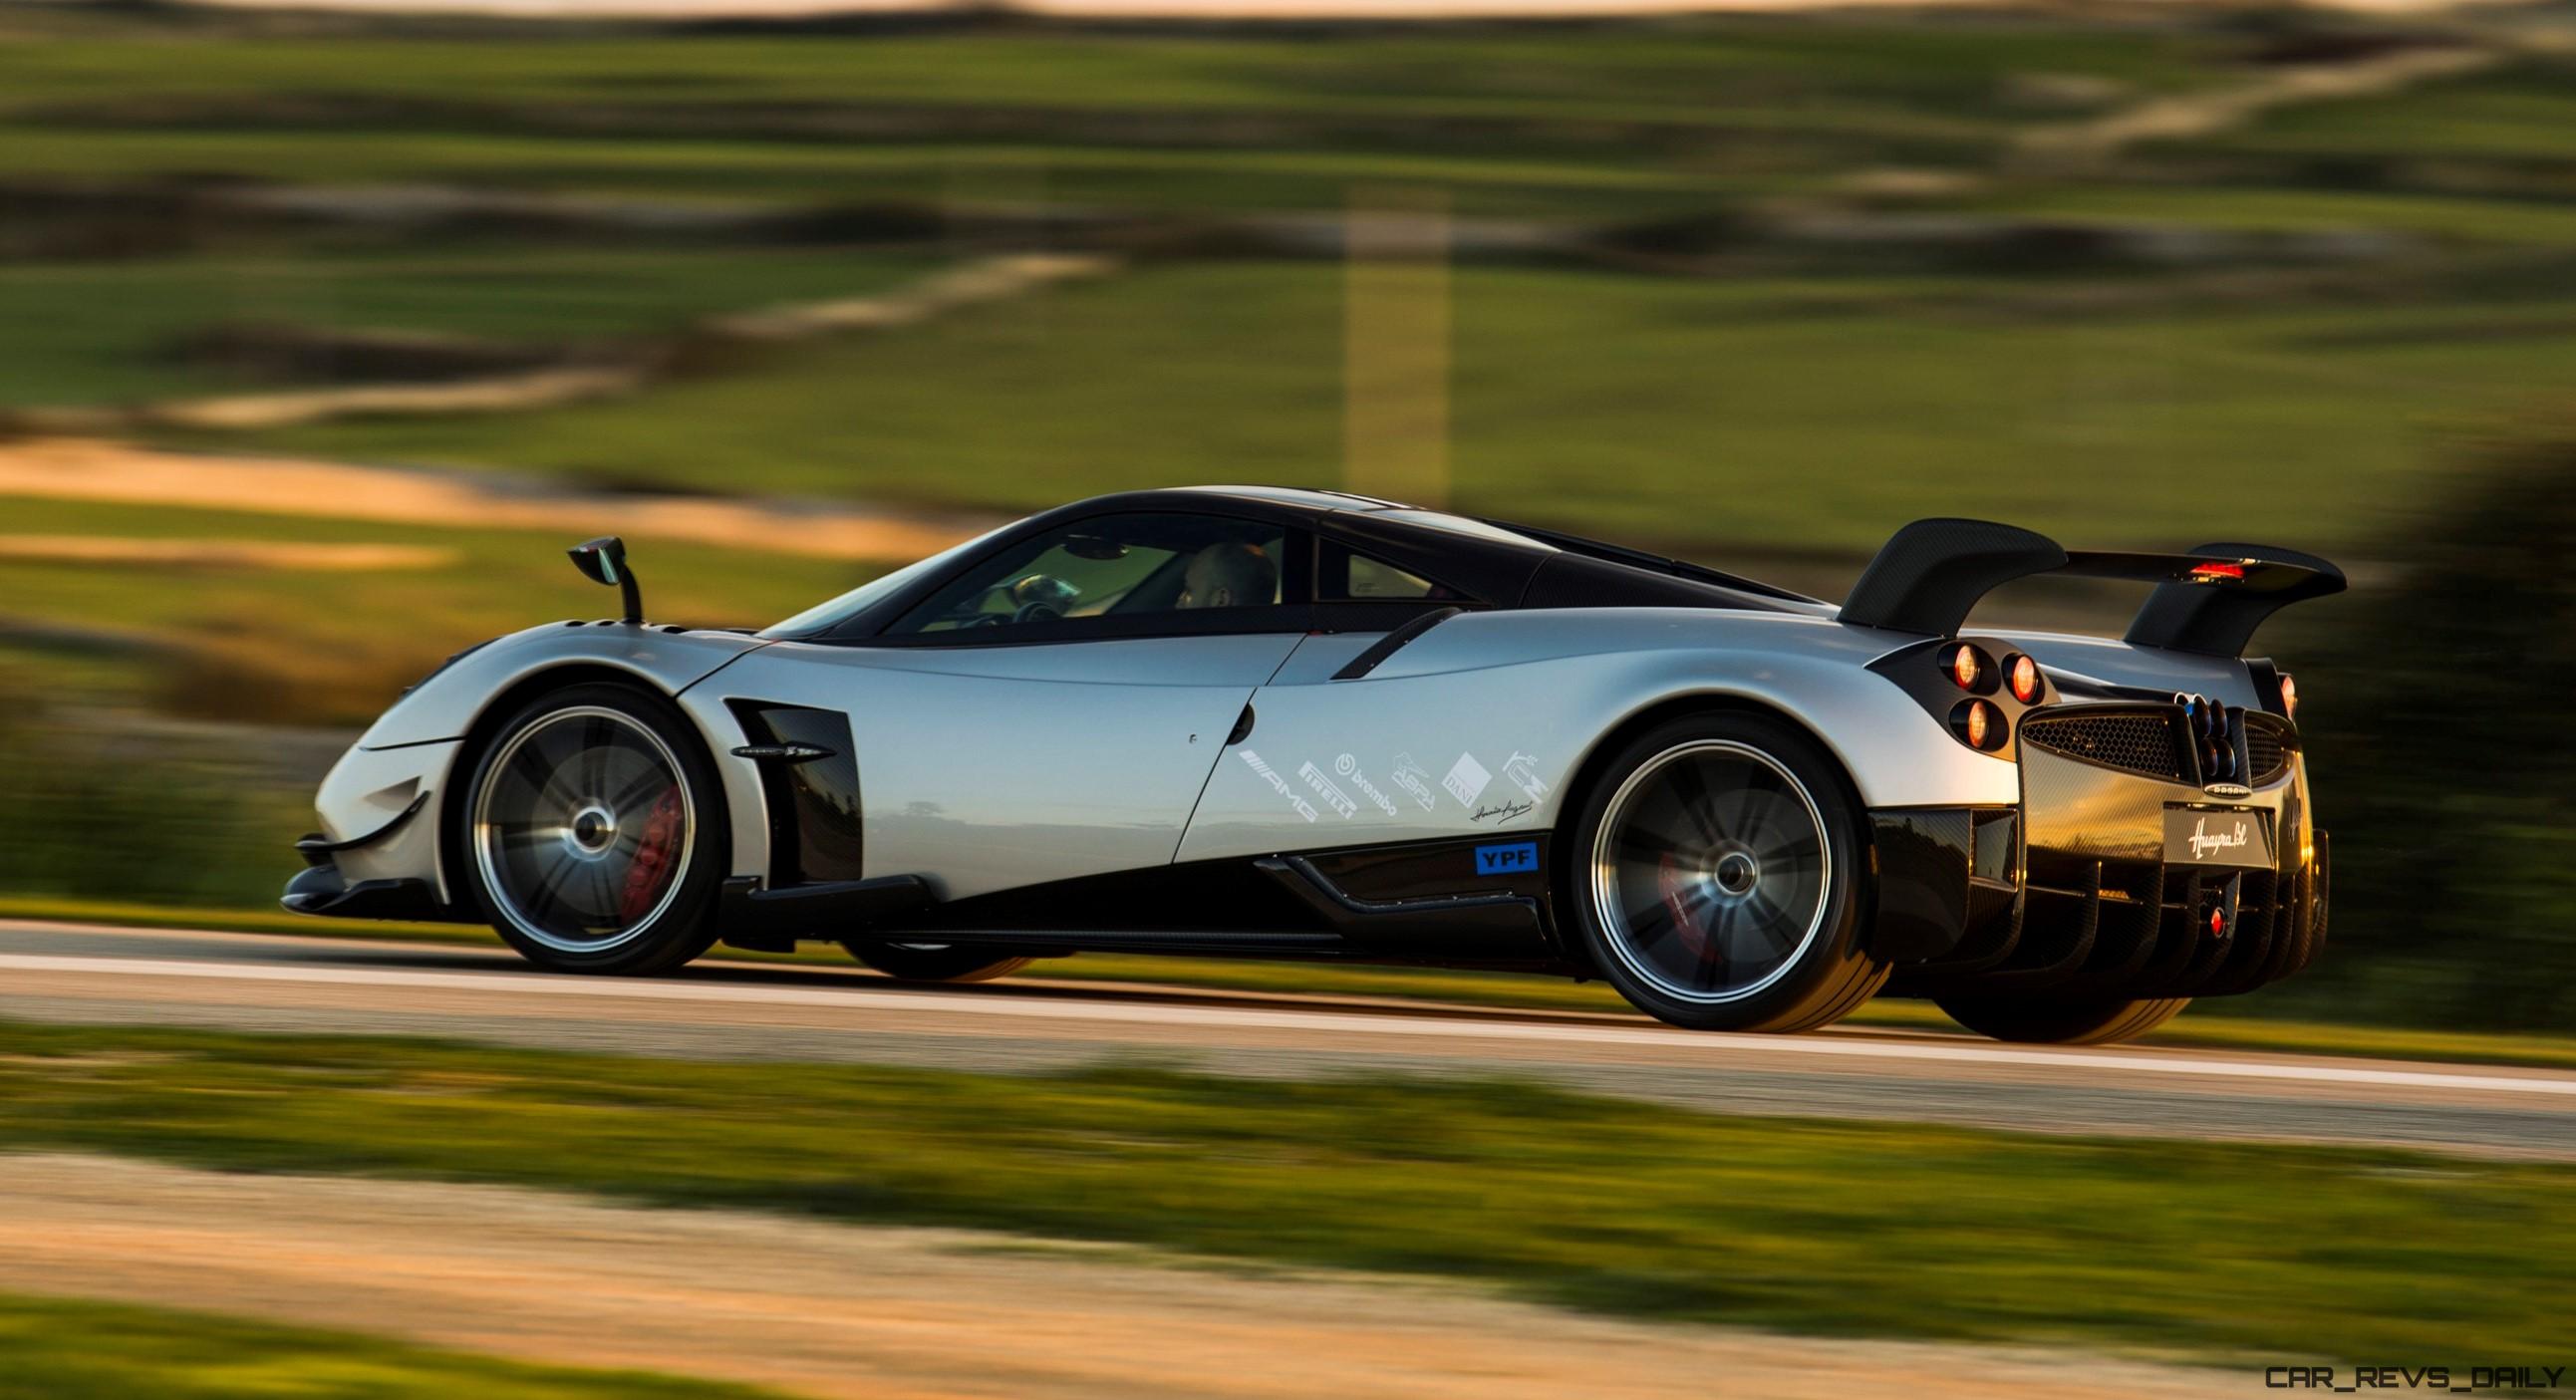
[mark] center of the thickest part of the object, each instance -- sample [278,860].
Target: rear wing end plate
[1931,574]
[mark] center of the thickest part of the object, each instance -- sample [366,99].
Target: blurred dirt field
[888,1314]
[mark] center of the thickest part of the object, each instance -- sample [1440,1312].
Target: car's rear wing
[1931,573]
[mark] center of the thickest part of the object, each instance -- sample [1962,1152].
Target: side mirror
[603,561]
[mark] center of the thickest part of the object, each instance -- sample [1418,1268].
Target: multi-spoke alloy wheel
[586,831]
[1711,871]
[1712,878]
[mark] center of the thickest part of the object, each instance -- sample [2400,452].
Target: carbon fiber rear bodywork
[2089,904]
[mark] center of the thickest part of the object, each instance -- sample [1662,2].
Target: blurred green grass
[1775,95]
[2212,1250]
[1755,406]
[63,1349]
[291,657]
[2522,111]
[111,330]
[1797,414]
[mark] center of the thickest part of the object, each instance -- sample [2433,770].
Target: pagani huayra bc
[1268,723]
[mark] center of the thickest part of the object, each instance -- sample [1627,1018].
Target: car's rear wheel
[1716,879]
[932,962]
[592,832]
[2090,1022]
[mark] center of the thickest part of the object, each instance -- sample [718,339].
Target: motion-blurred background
[320,335]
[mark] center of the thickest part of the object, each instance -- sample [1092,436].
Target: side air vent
[2268,746]
[2143,740]
[809,783]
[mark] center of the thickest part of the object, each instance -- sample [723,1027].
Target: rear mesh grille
[2139,741]
[2267,748]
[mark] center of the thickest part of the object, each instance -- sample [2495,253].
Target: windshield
[823,617]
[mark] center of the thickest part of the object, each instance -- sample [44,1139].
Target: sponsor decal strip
[1415,780]
[1278,784]
[1348,765]
[1334,797]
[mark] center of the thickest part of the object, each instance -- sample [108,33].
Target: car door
[1335,761]
[1054,711]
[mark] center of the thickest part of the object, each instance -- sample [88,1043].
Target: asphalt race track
[720,1010]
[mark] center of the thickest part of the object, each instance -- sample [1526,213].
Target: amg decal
[1278,784]
[1348,765]
[1334,797]
[1466,780]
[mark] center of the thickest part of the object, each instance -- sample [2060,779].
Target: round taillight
[1980,725]
[2022,674]
[1967,667]
[2289,697]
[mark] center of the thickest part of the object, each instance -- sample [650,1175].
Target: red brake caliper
[1670,884]
[652,867]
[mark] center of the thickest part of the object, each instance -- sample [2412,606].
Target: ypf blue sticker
[1513,859]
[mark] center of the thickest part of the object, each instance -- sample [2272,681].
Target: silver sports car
[1269,723]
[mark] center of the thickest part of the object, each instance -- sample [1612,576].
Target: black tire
[932,962]
[591,832]
[2038,1021]
[1724,907]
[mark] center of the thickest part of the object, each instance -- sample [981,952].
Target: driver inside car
[1230,575]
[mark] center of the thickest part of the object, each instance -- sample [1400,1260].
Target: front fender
[446,705]
[412,750]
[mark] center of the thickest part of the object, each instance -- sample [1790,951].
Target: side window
[1119,566]
[1346,577]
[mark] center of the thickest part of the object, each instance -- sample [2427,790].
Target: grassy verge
[2207,1249]
[2227,1029]
[67,1350]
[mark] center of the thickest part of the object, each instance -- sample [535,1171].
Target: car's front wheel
[932,962]
[1716,876]
[2042,1022]
[592,832]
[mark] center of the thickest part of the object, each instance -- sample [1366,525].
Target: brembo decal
[1523,771]
[1334,797]
[1415,780]
[1278,784]
[1466,780]
[1348,765]
[1514,859]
